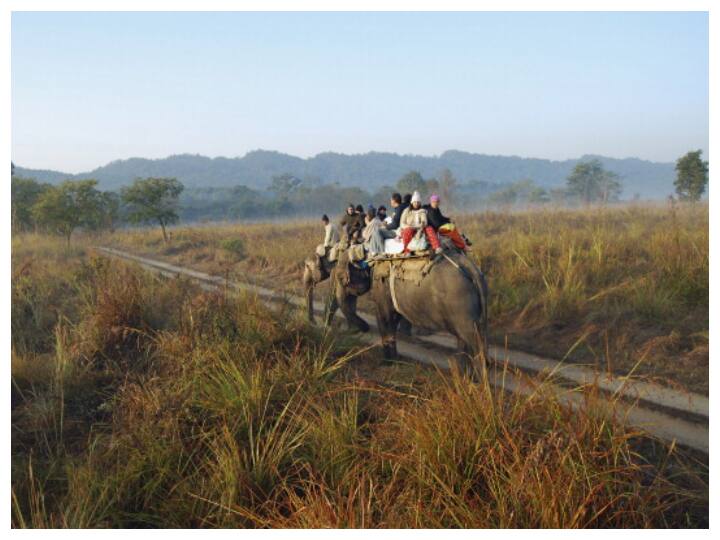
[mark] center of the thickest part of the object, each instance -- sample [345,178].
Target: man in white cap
[413,222]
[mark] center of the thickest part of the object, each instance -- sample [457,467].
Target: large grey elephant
[446,293]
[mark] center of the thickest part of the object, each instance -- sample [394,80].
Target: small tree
[590,182]
[24,194]
[153,200]
[521,192]
[382,194]
[72,204]
[692,176]
[448,187]
[505,197]
[609,187]
[558,195]
[538,195]
[110,210]
[283,187]
[412,181]
[432,186]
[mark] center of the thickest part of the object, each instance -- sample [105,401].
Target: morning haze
[91,88]
[359,270]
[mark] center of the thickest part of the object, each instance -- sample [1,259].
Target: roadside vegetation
[623,288]
[143,401]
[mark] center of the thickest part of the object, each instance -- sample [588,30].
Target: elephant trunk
[309,286]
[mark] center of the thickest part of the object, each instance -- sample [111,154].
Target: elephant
[445,293]
[316,270]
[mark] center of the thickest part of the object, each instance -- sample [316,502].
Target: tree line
[78,204]
[590,183]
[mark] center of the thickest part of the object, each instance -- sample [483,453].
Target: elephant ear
[355,280]
[360,280]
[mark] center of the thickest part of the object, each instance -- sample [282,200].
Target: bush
[235,246]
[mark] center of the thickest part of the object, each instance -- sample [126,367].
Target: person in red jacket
[442,224]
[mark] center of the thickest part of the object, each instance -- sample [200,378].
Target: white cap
[416,197]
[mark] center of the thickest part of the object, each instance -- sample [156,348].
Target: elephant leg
[471,336]
[404,326]
[348,306]
[331,307]
[387,321]
[309,294]
[463,359]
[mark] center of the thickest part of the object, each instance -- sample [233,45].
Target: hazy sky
[88,88]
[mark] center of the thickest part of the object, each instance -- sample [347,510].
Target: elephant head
[347,282]
[316,269]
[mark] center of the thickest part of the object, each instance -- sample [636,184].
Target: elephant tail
[471,270]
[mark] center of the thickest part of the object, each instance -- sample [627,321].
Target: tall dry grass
[613,287]
[155,404]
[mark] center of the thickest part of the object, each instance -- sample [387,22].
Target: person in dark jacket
[360,223]
[382,213]
[349,213]
[350,209]
[399,206]
[436,219]
[360,212]
[443,224]
[352,223]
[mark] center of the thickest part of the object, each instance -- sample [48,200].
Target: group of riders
[412,224]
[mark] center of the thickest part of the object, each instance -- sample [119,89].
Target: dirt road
[665,413]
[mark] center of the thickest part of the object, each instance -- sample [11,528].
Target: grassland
[140,401]
[624,289]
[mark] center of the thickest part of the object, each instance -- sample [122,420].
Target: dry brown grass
[156,404]
[609,287]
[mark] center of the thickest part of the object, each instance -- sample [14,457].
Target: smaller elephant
[316,270]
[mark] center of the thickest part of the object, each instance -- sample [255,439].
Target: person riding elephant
[352,223]
[332,234]
[374,234]
[317,268]
[414,222]
[382,213]
[399,207]
[443,224]
[360,214]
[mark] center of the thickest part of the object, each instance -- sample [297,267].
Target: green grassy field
[624,289]
[141,401]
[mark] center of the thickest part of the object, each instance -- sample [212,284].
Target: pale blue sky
[88,88]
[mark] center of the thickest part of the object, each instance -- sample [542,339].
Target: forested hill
[371,170]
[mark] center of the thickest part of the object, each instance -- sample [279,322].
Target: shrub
[235,246]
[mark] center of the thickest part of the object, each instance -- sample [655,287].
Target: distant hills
[650,180]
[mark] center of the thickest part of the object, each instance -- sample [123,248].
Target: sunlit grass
[154,404]
[619,279]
